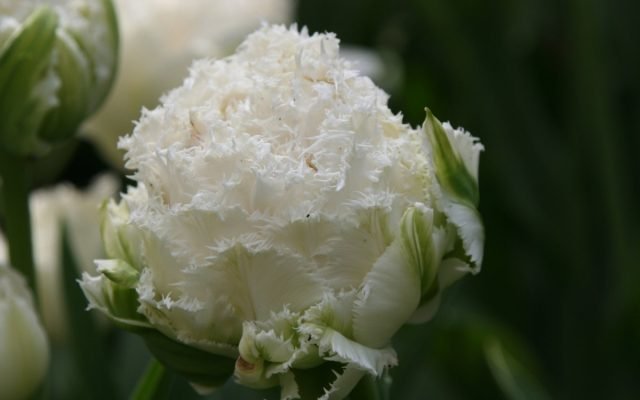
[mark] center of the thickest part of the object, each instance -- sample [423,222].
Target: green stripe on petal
[120,239]
[451,170]
[424,243]
[391,291]
[455,156]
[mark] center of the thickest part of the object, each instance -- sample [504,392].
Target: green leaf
[512,376]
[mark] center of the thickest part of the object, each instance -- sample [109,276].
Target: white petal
[470,228]
[389,295]
[289,387]
[336,347]
[450,271]
[344,383]
[466,146]
[106,297]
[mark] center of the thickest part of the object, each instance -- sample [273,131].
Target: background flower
[159,40]
[57,62]
[24,351]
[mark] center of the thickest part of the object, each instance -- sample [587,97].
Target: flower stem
[149,384]
[14,171]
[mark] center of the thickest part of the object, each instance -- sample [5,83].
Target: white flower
[57,61]
[24,351]
[159,40]
[52,210]
[286,218]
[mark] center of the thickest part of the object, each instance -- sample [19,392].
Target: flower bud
[286,220]
[57,61]
[24,351]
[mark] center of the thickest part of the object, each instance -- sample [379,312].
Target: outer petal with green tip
[455,155]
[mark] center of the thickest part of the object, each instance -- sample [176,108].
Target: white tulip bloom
[24,351]
[64,206]
[159,40]
[286,219]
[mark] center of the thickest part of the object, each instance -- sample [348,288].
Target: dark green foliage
[553,91]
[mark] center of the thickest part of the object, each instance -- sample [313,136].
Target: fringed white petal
[336,347]
[389,293]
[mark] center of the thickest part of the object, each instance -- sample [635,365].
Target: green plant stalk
[14,171]
[149,385]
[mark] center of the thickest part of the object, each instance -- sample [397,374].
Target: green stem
[149,386]
[14,171]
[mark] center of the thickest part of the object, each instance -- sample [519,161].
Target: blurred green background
[552,89]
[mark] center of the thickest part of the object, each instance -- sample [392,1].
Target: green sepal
[24,62]
[197,366]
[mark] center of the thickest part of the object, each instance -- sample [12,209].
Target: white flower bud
[159,39]
[24,351]
[284,217]
[57,62]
